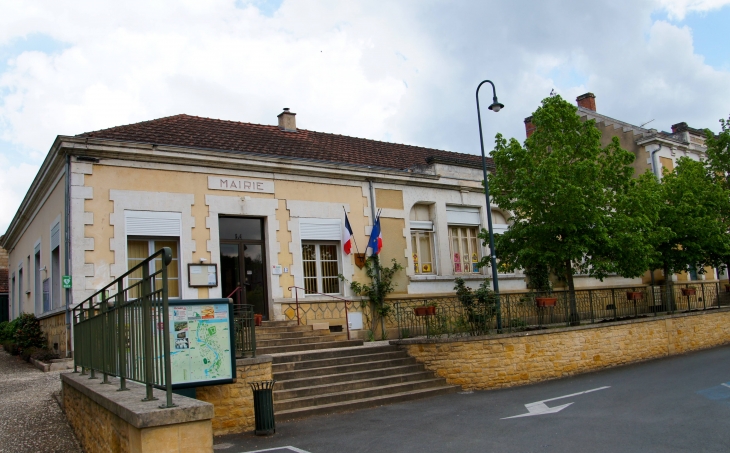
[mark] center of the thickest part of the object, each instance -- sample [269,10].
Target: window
[37,281]
[12,296]
[422,240]
[139,249]
[464,246]
[20,290]
[321,265]
[56,265]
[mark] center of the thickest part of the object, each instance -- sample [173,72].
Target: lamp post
[495,107]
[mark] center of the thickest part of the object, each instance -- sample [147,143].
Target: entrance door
[243,261]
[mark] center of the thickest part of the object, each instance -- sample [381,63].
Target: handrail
[347,303]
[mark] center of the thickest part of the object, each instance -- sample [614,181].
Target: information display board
[202,343]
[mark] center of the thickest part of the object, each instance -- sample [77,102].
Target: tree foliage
[718,153]
[576,206]
[692,216]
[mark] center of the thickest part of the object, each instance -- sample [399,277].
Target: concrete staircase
[275,337]
[322,382]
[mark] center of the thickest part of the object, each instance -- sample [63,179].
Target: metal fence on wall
[245,332]
[450,316]
[123,330]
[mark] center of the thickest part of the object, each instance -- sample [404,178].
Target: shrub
[27,353]
[28,333]
[10,347]
[7,329]
[45,355]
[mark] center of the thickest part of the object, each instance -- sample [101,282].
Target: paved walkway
[30,418]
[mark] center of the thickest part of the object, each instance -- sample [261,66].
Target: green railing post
[718,294]
[147,327]
[104,343]
[704,305]
[121,343]
[590,304]
[166,259]
[613,301]
[91,325]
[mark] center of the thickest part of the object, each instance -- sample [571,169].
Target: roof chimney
[529,127]
[287,120]
[587,101]
[679,127]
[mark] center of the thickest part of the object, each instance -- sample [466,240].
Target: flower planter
[258,319]
[689,291]
[546,301]
[425,311]
[634,295]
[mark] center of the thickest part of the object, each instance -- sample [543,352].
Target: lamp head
[496,106]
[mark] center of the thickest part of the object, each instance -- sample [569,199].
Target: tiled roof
[4,285]
[232,136]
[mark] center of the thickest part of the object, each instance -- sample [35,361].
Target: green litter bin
[263,407]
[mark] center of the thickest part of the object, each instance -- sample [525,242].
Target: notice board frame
[231,329]
[202,265]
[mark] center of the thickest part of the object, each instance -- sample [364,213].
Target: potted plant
[479,305]
[539,281]
[634,295]
[689,291]
[425,310]
[257,319]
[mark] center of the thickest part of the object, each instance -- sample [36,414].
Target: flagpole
[357,249]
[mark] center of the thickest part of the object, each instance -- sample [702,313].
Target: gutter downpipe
[372,213]
[654,170]
[67,265]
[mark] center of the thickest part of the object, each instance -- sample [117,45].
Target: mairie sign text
[240,184]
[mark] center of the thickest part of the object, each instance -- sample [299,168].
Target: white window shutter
[153,223]
[463,215]
[320,229]
[55,236]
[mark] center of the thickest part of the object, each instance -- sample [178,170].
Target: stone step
[307,347]
[295,376]
[286,323]
[357,394]
[301,340]
[331,408]
[336,361]
[344,352]
[349,385]
[286,329]
[264,335]
[345,377]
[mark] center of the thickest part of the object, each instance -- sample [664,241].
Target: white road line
[293,449]
[728,386]
[540,408]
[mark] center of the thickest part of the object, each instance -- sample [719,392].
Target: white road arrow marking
[725,385]
[540,408]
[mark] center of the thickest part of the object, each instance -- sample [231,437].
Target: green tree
[693,215]
[718,153]
[381,284]
[576,207]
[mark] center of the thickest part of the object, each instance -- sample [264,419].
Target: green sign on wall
[66,282]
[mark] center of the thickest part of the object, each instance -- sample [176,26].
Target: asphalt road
[676,404]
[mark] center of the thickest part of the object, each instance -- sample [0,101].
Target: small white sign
[240,184]
[276,270]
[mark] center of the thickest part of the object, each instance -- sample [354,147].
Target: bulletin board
[202,275]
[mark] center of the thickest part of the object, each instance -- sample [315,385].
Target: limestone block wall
[106,420]
[55,329]
[233,403]
[524,358]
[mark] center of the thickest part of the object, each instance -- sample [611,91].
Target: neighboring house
[266,204]
[4,285]
[654,151]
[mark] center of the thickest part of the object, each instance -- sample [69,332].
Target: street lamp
[495,107]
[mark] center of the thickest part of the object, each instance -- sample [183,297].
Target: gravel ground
[30,418]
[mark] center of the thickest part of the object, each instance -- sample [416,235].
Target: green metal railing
[123,330]
[520,311]
[243,322]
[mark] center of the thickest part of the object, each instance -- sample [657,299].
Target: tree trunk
[573,318]
[668,285]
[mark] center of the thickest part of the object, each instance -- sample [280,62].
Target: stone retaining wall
[55,329]
[524,358]
[107,420]
[234,402]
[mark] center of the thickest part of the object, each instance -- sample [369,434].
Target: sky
[399,71]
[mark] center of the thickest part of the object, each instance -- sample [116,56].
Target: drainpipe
[653,164]
[67,241]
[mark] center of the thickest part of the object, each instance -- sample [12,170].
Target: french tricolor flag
[347,236]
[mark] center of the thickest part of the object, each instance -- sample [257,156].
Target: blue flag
[376,238]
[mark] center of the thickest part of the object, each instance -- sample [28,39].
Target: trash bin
[263,406]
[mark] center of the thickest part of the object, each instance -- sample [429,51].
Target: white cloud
[678,9]
[399,71]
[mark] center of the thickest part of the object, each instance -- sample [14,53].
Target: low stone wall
[55,329]
[524,358]
[107,420]
[234,402]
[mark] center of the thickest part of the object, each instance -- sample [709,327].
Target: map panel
[201,343]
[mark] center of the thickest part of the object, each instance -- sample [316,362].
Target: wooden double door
[243,261]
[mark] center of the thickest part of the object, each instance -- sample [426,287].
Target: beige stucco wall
[39,228]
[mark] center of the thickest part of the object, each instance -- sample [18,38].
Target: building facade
[261,207]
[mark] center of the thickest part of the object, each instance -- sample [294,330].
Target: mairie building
[260,207]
